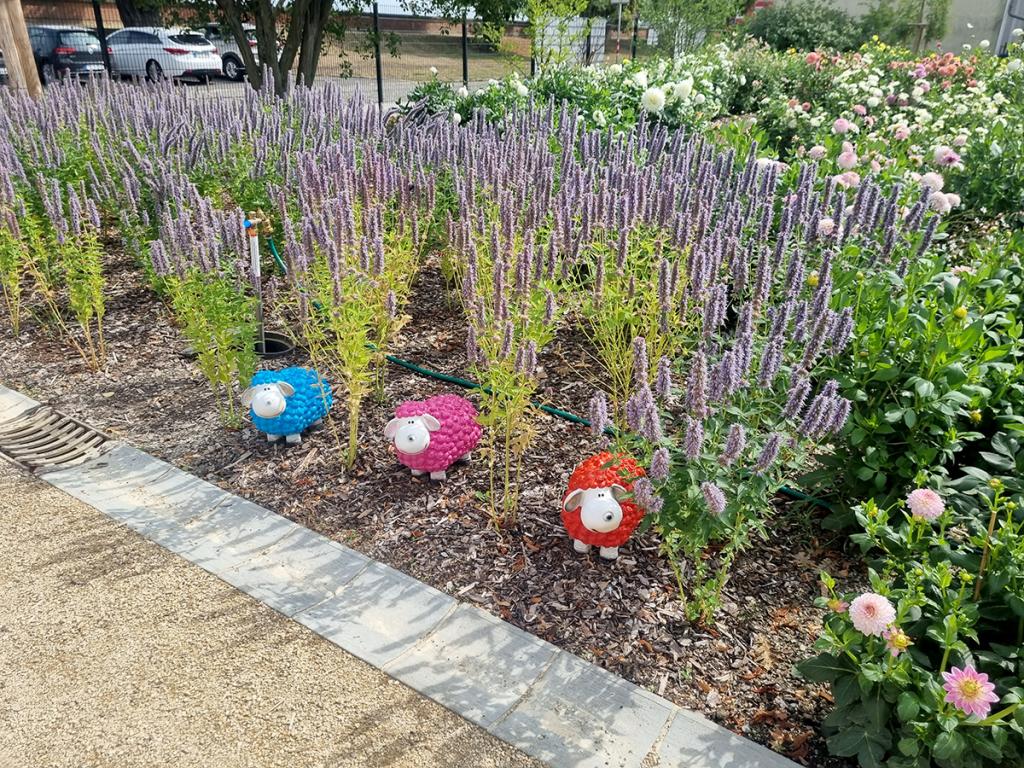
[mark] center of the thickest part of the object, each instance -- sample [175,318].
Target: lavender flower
[714,498]
[645,496]
[598,415]
[769,454]
[659,468]
[735,442]
[663,379]
[693,439]
[640,362]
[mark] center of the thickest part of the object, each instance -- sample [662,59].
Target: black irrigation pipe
[430,373]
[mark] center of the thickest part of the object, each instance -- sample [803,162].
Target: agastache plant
[744,412]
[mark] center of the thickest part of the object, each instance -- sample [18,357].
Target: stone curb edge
[547,702]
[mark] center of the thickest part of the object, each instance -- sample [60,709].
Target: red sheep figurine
[594,510]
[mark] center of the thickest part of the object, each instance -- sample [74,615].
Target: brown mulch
[624,616]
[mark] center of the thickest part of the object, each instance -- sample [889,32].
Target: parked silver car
[232,64]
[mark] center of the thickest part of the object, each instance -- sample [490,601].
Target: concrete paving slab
[474,663]
[230,534]
[297,572]
[13,404]
[694,741]
[379,615]
[582,716]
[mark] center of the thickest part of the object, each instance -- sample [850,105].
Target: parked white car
[157,53]
[232,64]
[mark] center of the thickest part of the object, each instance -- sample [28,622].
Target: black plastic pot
[274,345]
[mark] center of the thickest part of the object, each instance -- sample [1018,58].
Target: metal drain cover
[43,437]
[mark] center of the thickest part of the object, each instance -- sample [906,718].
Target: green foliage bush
[806,25]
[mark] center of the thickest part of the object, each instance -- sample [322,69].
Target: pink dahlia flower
[841,126]
[925,504]
[871,614]
[816,152]
[933,181]
[969,691]
[847,160]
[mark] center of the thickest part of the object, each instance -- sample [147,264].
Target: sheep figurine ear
[619,492]
[247,397]
[392,428]
[286,389]
[431,423]
[573,500]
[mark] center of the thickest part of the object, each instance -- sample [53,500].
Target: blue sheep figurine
[285,402]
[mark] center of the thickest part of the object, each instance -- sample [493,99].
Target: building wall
[985,15]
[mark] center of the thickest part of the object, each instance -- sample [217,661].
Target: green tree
[684,24]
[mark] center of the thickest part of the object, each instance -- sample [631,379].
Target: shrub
[934,350]
[806,25]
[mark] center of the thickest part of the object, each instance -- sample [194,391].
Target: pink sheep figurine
[431,435]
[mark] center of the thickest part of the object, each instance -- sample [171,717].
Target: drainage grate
[42,437]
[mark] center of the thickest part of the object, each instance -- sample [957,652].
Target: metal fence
[384,56]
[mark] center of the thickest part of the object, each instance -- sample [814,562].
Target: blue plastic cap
[247,224]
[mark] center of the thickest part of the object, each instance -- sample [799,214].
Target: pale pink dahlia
[969,691]
[871,614]
[925,504]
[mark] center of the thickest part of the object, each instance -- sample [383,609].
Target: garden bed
[624,616]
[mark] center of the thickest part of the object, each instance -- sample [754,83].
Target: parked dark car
[65,52]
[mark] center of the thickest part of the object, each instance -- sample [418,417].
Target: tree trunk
[134,14]
[317,17]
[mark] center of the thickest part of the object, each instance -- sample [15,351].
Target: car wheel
[48,74]
[232,68]
[154,72]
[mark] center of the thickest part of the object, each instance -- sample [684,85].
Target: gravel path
[114,652]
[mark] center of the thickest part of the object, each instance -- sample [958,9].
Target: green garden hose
[558,412]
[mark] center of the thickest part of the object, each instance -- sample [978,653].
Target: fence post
[102,32]
[636,34]
[465,51]
[376,56]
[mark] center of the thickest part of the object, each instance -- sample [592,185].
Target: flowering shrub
[689,91]
[927,669]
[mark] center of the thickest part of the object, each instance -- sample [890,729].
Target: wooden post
[21,66]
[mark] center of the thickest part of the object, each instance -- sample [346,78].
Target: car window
[79,39]
[189,39]
[146,38]
[118,37]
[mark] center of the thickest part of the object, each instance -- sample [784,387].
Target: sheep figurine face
[411,435]
[268,401]
[286,402]
[430,435]
[597,509]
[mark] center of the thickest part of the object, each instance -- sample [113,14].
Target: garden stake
[252,230]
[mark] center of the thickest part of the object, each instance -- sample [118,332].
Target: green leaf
[824,668]
[908,746]
[948,746]
[907,706]
[848,742]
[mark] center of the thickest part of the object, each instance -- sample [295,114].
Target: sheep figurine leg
[293,439]
[580,547]
[467,457]
[418,473]
[610,553]
[441,475]
[273,438]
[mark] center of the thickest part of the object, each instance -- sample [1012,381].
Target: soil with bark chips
[624,615]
